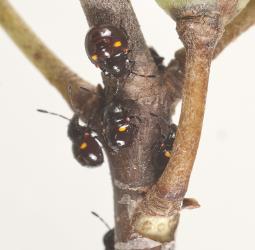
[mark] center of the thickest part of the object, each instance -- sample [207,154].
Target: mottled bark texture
[132,169]
[143,202]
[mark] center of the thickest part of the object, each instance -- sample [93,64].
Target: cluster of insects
[86,147]
[107,48]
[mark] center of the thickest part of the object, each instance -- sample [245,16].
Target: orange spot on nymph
[167,154]
[94,57]
[122,128]
[117,44]
[84,145]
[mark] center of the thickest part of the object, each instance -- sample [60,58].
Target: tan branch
[58,74]
[166,196]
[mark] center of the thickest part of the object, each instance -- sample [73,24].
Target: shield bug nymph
[163,149]
[107,48]
[85,145]
[120,125]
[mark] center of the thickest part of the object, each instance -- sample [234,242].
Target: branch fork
[147,209]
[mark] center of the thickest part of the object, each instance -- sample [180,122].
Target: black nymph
[120,127]
[163,149]
[107,48]
[86,148]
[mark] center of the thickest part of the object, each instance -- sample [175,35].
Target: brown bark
[132,169]
[166,197]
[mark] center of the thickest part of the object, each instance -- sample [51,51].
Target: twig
[166,197]
[58,74]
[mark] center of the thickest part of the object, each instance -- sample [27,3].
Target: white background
[46,197]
